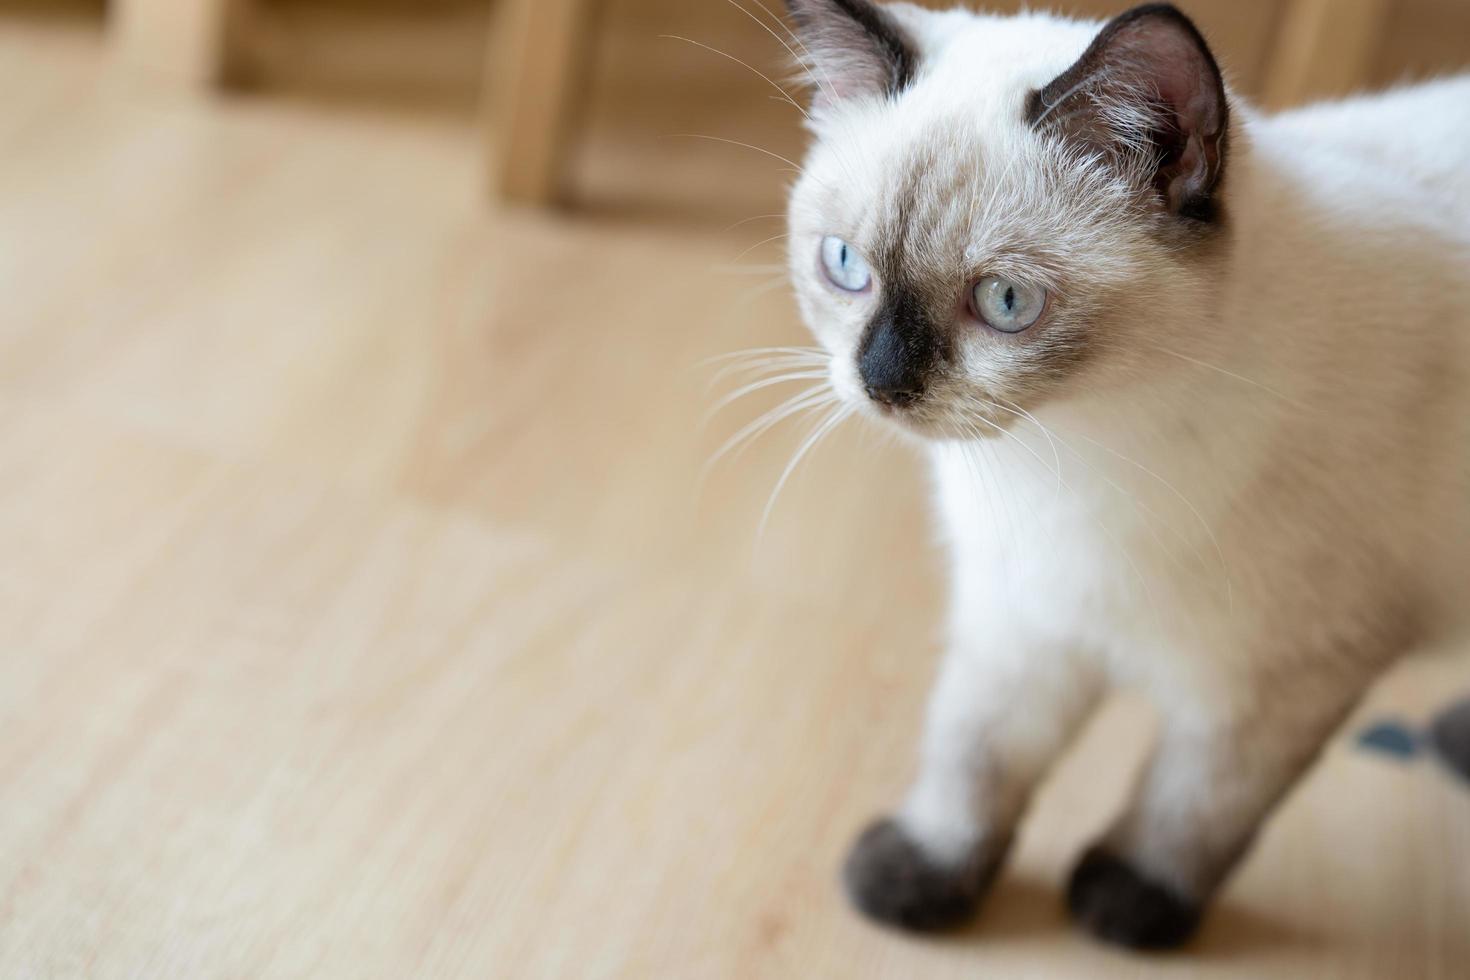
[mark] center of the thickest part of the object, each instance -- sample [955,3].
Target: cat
[1194,386]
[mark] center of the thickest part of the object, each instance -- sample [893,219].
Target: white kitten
[1194,385]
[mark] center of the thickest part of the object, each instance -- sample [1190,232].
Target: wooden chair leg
[536,78]
[1326,49]
[182,42]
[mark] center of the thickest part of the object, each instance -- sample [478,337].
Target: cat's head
[1000,211]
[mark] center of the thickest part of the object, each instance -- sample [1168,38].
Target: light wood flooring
[362,615]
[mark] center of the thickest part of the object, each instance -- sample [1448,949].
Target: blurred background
[368,607]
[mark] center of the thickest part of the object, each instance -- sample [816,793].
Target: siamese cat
[1194,386]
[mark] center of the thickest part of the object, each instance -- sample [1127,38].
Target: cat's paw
[892,881]
[1116,903]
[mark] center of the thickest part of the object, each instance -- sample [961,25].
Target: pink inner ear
[847,65]
[856,46]
[1179,71]
[1190,174]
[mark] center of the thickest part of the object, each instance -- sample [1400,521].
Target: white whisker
[830,422]
[749,146]
[764,241]
[752,369]
[760,353]
[754,386]
[746,221]
[805,63]
[1017,410]
[1209,531]
[811,398]
[1057,471]
[785,96]
[1231,374]
[748,270]
[752,365]
[1097,521]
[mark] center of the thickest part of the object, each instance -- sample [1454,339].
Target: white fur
[1254,500]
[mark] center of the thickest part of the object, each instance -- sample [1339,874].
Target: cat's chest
[1050,549]
[1001,500]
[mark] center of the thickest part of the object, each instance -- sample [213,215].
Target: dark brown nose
[894,397]
[898,353]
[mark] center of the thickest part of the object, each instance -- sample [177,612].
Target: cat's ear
[1148,95]
[852,48]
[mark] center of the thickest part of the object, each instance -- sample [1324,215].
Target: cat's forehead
[958,132]
[943,188]
[950,175]
[927,206]
[891,165]
[969,57]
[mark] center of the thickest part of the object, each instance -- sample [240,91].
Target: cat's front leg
[1001,711]
[1213,778]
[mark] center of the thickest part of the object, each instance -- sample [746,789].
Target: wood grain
[183,43]
[1327,49]
[363,615]
[538,69]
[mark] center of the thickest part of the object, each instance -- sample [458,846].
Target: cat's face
[979,227]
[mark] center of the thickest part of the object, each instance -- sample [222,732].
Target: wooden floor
[363,615]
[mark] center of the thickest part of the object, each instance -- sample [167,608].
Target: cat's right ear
[851,48]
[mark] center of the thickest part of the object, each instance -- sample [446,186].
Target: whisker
[785,96]
[748,270]
[1231,374]
[762,351]
[1025,445]
[748,146]
[804,63]
[752,293]
[832,420]
[1097,521]
[1141,507]
[984,473]
[1020,412]
[755,386]
[1147,511]
[746,221]
[1204,525]
[811,398]
[765,241]
[767,367]
[1025,498]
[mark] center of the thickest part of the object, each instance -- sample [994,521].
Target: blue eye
[845,269]
[1006,305]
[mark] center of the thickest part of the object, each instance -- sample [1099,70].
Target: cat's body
[1236,466]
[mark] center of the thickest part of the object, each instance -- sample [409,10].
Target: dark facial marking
[1155,55]
[891,881]
[900,349]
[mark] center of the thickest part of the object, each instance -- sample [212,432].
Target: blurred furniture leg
[1326,49]
[537,75]
[180,42]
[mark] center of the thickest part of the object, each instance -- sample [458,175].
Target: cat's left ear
[852,48]
[1147,94]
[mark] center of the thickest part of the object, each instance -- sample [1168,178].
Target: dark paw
[1118,905]
[890,880]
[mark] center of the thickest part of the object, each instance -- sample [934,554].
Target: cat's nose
[899,351]
[893,364]
[894,397]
